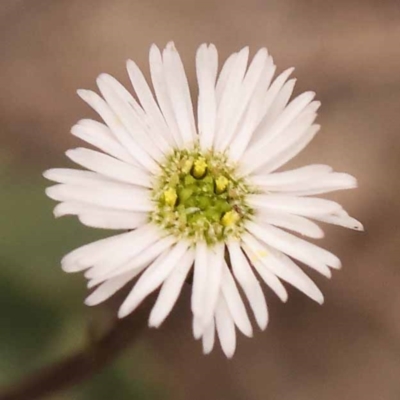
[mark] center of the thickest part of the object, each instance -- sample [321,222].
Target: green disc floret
[197,196]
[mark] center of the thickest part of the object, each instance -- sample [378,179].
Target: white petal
[215,261]
[113,219]
[275,142]
[291,150]
[197,327]
[253,114]
[102,108]
[143,258]
[206,58]
[76,208]
[249,283]
[225,328]
[269,100]
[170,290]
[152,278]
[226,107]
[109,166]
[290,113]
[158,78]
[110,195]
[125,250]
[100,136]
[341,220]
[325,184]
[308,253]
[209,338]
[224,75]
[76,177]
[292,222]
[280,180]
[72,262]
[110,287]
[199,279]
[235,303]
[268,277]
[283,267]
[295,205]
[278,105]
[125,95]
[130,119]
[148,103]
[243,97]
[179,93]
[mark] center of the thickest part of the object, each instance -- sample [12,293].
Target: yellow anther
[199,167]
[221,184]
[230,218]
[170,196]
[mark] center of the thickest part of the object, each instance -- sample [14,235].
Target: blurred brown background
[349,53]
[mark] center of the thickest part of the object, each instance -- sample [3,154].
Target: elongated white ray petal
[295,247]
[114,123]
[76,177]
[197,327]
[115,196]
[206,58]
[76,208]
[170,290]
[296,205]
[302,252]
[209,338]
[113,219]
[100,136]
[278,105]
[341,220]
[254,113]
[124,251]
[140,260]
[290,113]
[226,106]
[94,216]
[215,261]
[109,166]
[224,75]
[283,267]
[261,153]
[243,96]
[268,277]
[328,183]
[199,279]
[235,303]
[294,148]
[158,78]
[110,287]
[292,222]
[71,262]
[179,93]
[131,120]
[225,328]
[268,102]
[152,278]
[125,95]
[81,258]
[280,180]
[153,113]
[249,283]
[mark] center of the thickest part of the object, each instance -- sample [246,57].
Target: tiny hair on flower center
[198,196]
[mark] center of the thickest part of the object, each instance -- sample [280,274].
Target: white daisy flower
[200,201]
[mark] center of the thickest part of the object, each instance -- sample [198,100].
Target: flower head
[200,196]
